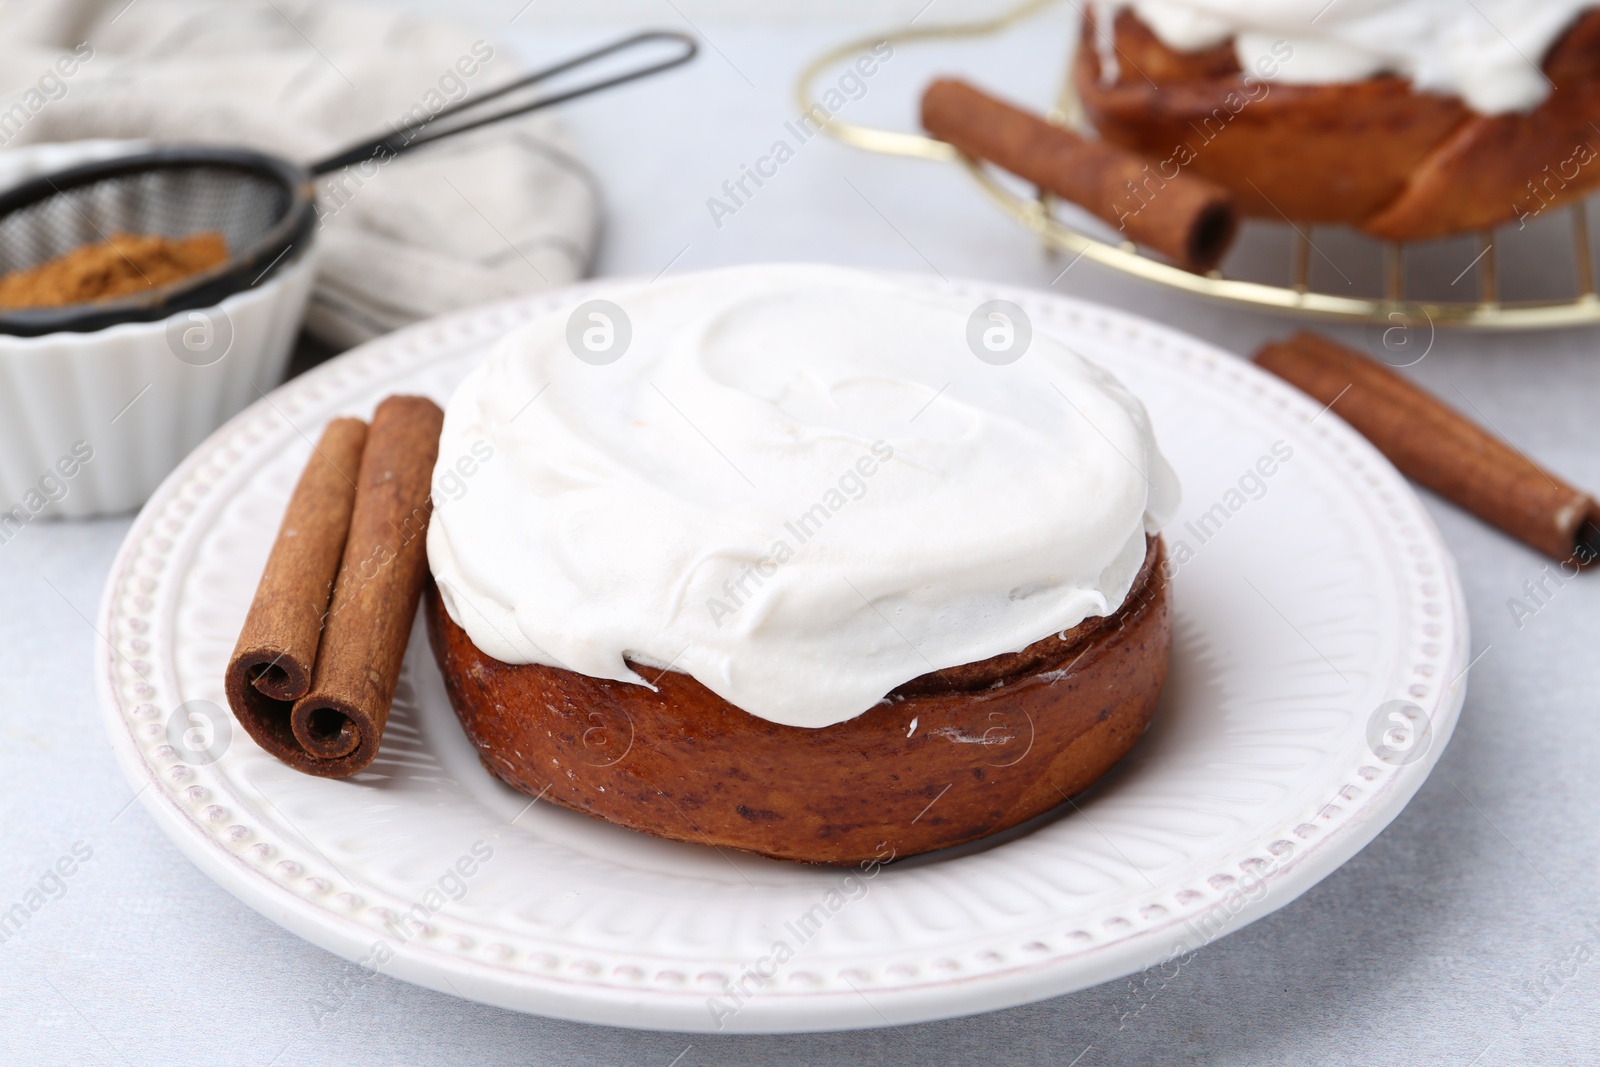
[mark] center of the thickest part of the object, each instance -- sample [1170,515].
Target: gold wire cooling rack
[1295,296]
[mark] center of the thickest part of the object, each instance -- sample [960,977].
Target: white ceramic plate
[1313,598]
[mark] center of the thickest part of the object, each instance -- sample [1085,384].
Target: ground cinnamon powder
[126,263]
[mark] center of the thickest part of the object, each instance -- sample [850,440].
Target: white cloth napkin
[490,214]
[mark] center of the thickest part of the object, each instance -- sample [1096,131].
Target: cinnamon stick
[340,722]
[272,662]
[1187,218]
[1435,445]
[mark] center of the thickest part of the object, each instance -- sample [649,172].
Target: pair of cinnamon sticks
[314,672]
[1436,446]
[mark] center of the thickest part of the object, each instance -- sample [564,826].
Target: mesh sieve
[263,206]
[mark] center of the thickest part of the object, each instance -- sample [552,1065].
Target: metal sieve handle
[411,135]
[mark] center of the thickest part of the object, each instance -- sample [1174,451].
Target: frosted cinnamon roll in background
[1410,119]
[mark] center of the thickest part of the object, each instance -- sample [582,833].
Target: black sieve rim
[248,266]
[244,268]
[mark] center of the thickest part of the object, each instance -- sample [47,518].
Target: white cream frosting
[798,485]
[1487,52]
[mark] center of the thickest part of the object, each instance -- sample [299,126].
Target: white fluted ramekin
[90,423]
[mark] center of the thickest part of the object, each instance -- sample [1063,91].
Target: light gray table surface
[1466,933]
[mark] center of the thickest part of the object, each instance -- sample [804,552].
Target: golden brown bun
[1398,163]
[995,743]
